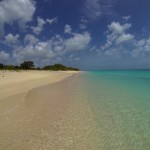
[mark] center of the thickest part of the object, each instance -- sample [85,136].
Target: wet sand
[48,117]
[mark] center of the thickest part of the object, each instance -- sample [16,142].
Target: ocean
[120,103]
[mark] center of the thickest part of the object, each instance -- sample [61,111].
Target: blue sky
[89,34]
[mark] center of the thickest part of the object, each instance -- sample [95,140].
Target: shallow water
[120,102]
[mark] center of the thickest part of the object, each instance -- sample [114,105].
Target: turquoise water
[120,102]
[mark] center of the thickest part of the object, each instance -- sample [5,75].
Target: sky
[88,34]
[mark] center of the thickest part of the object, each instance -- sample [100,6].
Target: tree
[1,66]
[9,67]
[27,65]
[48,67]
[17,67]
[61,67]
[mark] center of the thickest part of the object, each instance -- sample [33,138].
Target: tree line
[29,65]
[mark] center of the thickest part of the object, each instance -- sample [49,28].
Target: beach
[38,110]
[18,84]
[95,110]
[17,117]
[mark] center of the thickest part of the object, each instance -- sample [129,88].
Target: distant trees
[1,66]
[27,65]
[57,67]
[7,67]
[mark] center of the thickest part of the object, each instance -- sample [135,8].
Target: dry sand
[37,112]
[12,82]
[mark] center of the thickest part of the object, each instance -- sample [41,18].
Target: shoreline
[52,116]
[17,116]
[13,88]
[20,82]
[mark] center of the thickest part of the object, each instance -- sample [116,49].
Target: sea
[120,103]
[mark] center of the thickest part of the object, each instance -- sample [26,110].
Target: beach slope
[45,110]
[14,88]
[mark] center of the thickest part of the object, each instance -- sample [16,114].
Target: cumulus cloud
[116,37]
[94,9]
[39,28]
[12,39]
[4,56]
[52,21]
[119,42]
[117,28]
[35,52]
[67,29]
[40,24]
[77,42]
[51,49]
[124,38]
[15,10]
[141,48]
[30,39]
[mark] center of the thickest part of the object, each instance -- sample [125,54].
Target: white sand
[12,83]
[38,115]
[14,86]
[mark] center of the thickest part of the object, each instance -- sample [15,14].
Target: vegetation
[61,67]
[29,65]
[7,67]
[1,66]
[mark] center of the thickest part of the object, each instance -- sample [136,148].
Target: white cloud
[112,52]
[117,38]
[120,43]
[116,34]
[36,52]
[30,39]
[107,45]
[94,9]
[83,23]
[52,21]
[77,42]
[141,48]
[15,10]
[40,24]
[68,29]
[39,28]
[140,43]
[4,56]
[124,38]
[126,17]
[56,47]
[12,39]
[117,28]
